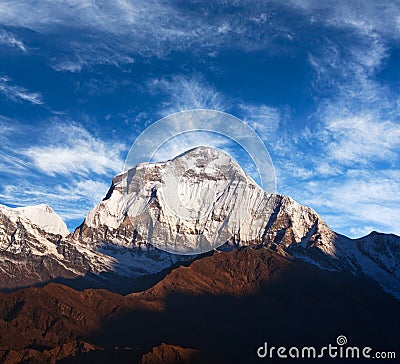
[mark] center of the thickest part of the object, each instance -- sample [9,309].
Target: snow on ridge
[116,233]
[43,216]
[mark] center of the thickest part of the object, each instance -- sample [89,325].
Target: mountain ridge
[120,237]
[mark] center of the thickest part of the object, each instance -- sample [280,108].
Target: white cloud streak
[10,163]
[115,31]
[348,171]
[17,93]
[364,17]
[71,149]
[112,31]
[185,93]
[362,140]
[364,199]
[9,39]
[261,118]
[85,162]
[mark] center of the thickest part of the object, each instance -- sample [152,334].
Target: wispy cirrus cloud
[13,165]
[347,169]
[143,28]
[10,163]
[187,92]
[71,149]
[114,32]
[10,40]
[354,47]
[261,118]
[360,198]
[362,140]
[7,127]
[18,93]
[86,164]
[361,16]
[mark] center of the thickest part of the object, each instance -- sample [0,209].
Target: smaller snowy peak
[43,216]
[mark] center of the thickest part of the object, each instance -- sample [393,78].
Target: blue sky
[318,81]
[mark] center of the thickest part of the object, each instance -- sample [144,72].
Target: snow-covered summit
[42,216]
[189,204]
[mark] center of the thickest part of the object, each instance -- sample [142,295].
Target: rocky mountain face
[155,214]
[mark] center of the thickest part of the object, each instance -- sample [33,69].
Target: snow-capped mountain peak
[190,204]
[42,216]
